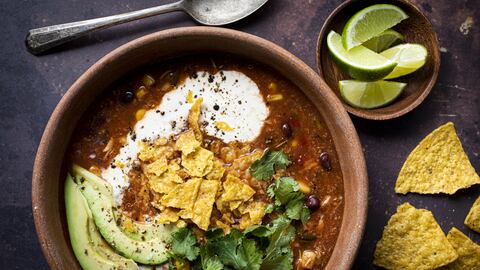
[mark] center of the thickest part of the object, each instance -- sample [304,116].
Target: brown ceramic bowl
[48,179]
[416,29]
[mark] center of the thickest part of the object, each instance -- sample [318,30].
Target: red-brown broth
[110,117]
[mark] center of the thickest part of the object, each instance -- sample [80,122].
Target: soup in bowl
[199,148]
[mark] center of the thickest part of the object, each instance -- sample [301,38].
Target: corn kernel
[274,97]
[304,187]
[294,143]
[272,86]
[141,92]
[223,126]
[190,97]
[148,80]
[139,114]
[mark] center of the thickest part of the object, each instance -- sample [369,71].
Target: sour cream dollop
[230,98]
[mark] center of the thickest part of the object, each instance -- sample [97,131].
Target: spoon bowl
[215,12]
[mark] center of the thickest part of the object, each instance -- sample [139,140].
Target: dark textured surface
[32,86]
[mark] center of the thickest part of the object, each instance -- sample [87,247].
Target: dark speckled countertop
[32,86]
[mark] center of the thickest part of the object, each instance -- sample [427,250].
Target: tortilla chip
[252,214]
[194,117]
[413,239]
[235,192]
[467,250]
[164,183]
[186,143]
[217,171]
[198,162]
[202,209]
[473,218]
[158,167]
[150,152]
[167,216]
[437,165]
[183,196]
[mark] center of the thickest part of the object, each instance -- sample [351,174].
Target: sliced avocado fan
[92,252]
[146,250]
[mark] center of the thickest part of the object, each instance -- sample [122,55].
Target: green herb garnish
[264,168]
[184,244]
[288,196]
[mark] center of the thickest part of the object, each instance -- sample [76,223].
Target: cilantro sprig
[289,198]
[264,168]
[184,244]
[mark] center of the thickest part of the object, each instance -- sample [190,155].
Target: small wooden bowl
[416,29]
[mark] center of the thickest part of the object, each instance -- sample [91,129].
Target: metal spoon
[207,12]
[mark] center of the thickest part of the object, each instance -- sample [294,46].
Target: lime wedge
[370,22]
[385,40]
[409,58]
[370,95]
[360,63]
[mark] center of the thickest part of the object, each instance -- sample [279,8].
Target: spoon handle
[42,39]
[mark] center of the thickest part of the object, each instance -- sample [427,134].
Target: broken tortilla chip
[437,165]
[473,218]
[234,193]
[167,216]
[202,209]
[412,239]
[467,250]
[198,162]
[164,183]
[186,143]
[252,214]
[183,196]
[158,167]
[194,117]
[217,171]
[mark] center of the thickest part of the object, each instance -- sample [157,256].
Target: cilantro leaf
[184,244]
[237,251]
[267,230]
[209,260]
[287,194]
[279,254]
[264,168]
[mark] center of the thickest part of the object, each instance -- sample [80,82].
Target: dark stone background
[32,86]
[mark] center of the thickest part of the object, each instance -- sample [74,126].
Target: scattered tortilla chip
[198,162]
[158,167]
[186,143]
[154,151]
[473,218]
[413,239]
[437,165]
[164,183]
[252,214]
[467,250]
[217,171]
[235,192]
[167,216]
[194,117]
[202,209]
[183,195]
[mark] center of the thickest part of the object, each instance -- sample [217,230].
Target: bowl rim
[350,233]
[363,113]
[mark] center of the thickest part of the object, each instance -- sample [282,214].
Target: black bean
[313,203]
[127,96]
[287,130]
[325,161]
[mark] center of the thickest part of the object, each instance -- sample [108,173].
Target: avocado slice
[99,196]
[92,252]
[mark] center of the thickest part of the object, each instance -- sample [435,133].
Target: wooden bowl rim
[354,217]
[367,114]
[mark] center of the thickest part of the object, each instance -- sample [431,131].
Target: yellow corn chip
[437,165]
[198,162]
[167,216]
[158,167]
[412,239]
[473,218]
[467,250]
[183,195]
[217,171]
[202,209]
[151,152]
[194,117]
[165,182]
[187,143]
[236,190]
[252,214]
